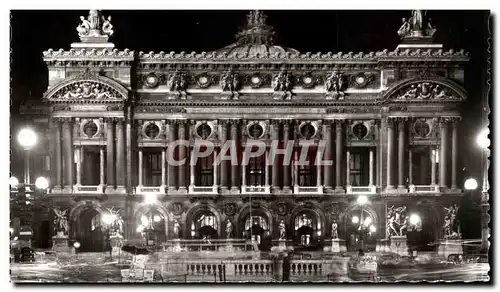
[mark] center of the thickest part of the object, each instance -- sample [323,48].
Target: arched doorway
[151,224]
[257,228]
[204,226]
[360,230]
[424,235]
[306,229]
[90,231]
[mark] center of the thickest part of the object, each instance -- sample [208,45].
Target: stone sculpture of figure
[404,227]
[391,228]
[94,19]
[335,234]
[84,27]
[60,221]
[411,93]
[451,215]
[107,27]
[177,229]
[281,82]
[256,19]
[282,229]
[229,81]
[447,227]
[177,82]
[405,28]
[229,228]
[335,82]
[417,20]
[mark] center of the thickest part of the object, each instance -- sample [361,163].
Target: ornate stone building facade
[389,120]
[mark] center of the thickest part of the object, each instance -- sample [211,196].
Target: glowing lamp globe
[368,221]
[13,182]
[41,183]
[482,139]
[156,218]
[76,244]
[107,219]
[355,219]
[27,138]
[362,200]
[373,229]
[470,184]
[414,219]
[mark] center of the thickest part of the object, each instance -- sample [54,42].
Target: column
[266,171]
[401,153]
[286,168]
[338,155]
[101,166]
[243,172]
[110,151]
[120,155]
[172,172]
[235,170]
[444,153]
[410,169]
[328,156]
[128,144]
[390,154]
[215,170]
[163,166]
[318,174]
[58,158]
[68,155]
[295,168]
[275,167]
[78,153]
[348,172]
[224,167]
[433,166]
[140,166]
[372,167]
[182,155]
[192,170]
[454,149]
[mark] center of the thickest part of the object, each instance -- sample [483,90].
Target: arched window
[306,228]
[204,226]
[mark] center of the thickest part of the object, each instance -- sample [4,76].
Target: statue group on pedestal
[335,226]
[95,25]
[60,222]
[335,83]
[417,25]
[229,228]
[397,221]
[451,227]
[282,229]
[177,229]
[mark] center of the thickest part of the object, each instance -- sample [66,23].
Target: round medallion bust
[204,131]
[90,129]
[360,131]
[151,80]
[152,131]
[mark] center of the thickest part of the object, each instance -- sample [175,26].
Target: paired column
[101,166]
[140,166]
[266,171]
[433,166]
[328,155]
[58,154]
[163,167]
[68,154]
[339,146]
[110,151]
[286,167]
[410,170]
[215,170]
[120,154]
[296,168]
[372,167]
[454,153]
[235,170]
[224,165]
[401,152]
[172,173]
[444,152]
[182,155]
[275,135]
[390,150]
[79,155]
[348,168]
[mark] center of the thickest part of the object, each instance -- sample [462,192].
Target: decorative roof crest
[417,27]
[96,28]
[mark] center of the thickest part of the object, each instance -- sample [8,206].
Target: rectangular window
[152,164]
[256,171]
[421,164]
[359,166]
[204,171]
[307,173]
[90,165]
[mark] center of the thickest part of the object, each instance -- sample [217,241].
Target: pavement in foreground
[109,272]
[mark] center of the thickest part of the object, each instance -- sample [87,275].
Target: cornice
[84,54]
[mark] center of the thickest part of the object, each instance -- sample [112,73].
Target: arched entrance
[424,235]
[204,226]
[306,229]
[151,223]
[360,229]
[90,231]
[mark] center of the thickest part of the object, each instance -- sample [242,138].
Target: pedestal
[382,245]
[335,245]
[177,245]
[450,246]
[399,245]
[60,244]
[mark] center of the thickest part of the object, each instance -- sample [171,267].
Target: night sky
[33,32]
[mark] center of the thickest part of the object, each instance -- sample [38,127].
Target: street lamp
[76,245]
[470,184]
[27,138]
[365,224]
[362,200]
[108,219]
[483,142]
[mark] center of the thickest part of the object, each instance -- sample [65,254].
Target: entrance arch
[361,227]
[429,230]
[204,225]
[151,222]
[90,231]
[259,226]
[307,225]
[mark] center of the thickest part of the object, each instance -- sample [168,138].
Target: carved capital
[445,120]
[223,122]
[455,121]
[65,121]
[235,122]
[274,122]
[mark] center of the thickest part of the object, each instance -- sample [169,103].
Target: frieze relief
[87,90]
[426,90]
[335,84]
[282,85]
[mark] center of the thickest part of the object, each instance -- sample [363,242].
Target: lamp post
[365,224]
[27,138]
[483,142]
[108,220]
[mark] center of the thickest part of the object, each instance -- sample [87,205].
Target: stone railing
[255,190]
[209,190]
[315,190]
[160,190]
[422,189]
[99,189]
[361,190]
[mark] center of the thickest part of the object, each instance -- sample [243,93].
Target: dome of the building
[256,39]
